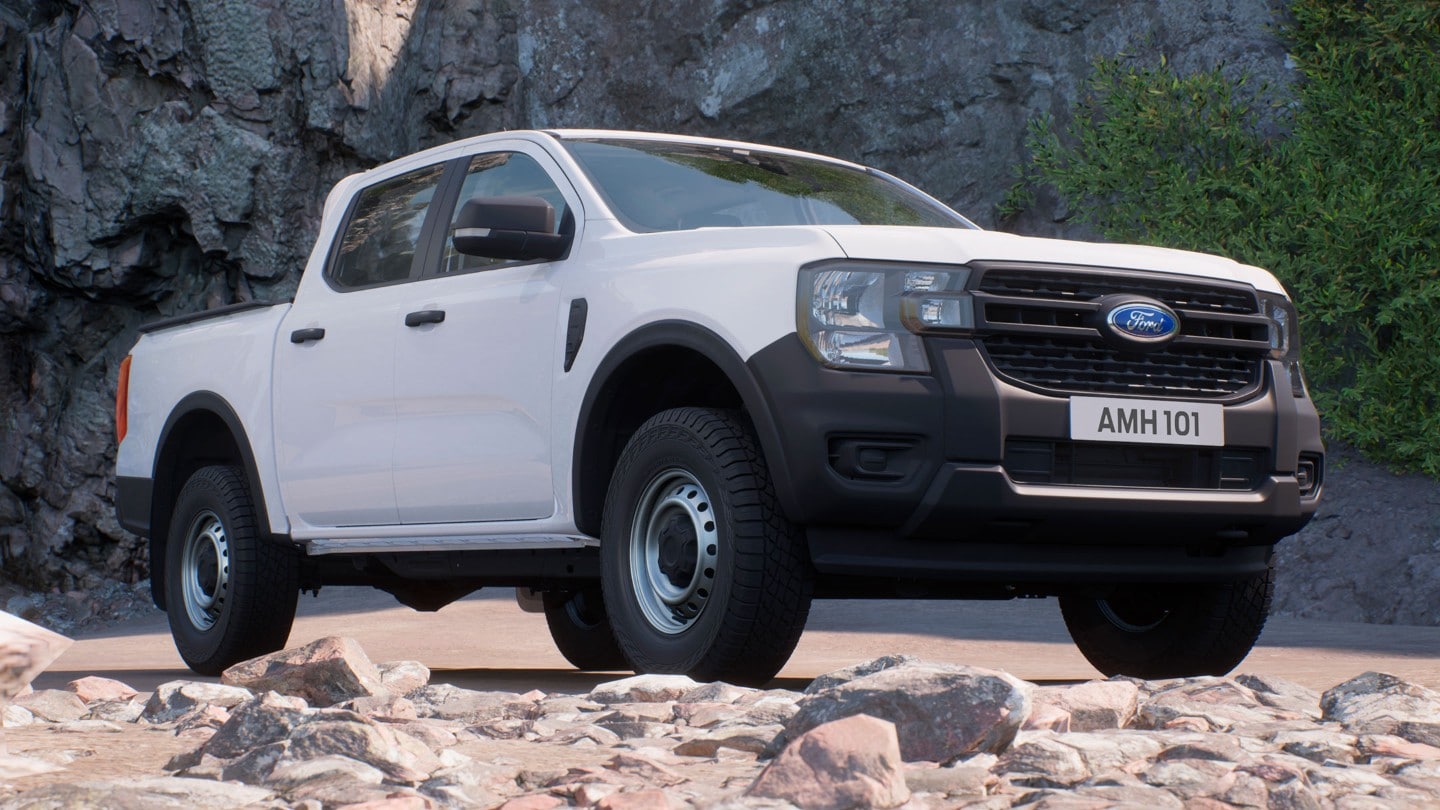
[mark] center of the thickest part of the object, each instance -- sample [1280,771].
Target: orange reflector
[122,401]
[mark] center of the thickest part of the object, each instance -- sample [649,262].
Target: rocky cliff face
[163,156]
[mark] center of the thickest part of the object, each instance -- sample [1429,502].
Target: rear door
[335,361]
[473,391]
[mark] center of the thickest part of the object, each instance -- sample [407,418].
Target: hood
[957,246]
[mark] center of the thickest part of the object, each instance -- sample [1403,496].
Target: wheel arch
[622,395]
[202,429]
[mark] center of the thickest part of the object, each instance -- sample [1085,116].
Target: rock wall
[163,156]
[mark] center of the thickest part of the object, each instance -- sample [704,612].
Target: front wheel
[702,573]
[1174,631]
[230,593]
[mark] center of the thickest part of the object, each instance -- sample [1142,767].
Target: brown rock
[53,705]
[1043,760]
[92,689]
[265,719]
[1095,705]
[635,800]
[646,768]
[401,757]
[851,762]
[26,649]
[533,801]
[643,689]
[1385,745]
[323,672]
[940,711]
[175,698]
[1376,703]
[1044,717]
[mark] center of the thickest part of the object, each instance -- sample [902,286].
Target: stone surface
[324,672]
[851,762]
[273,750]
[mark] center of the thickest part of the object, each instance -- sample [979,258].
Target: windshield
[659,186]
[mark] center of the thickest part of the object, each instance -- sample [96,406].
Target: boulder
[399,756]
[940,711]
[643,689]
[403,677]
[92,689]
[1094,705]
[174,698]
[26,649]
[53,705]
[266,719]
[851,762]
[324,672]
[1376,703]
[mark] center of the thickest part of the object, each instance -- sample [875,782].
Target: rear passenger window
[501,174]
[379,242]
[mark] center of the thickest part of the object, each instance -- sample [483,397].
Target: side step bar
[478,542]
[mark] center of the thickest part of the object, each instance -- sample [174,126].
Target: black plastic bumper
[907,474]
[132,503]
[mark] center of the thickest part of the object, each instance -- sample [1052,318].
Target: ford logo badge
[1143,322]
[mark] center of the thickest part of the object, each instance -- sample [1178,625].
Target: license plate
[1144,421]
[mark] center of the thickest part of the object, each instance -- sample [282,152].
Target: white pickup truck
[671,389]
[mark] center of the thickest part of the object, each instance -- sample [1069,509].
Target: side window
[501,174]
[379,241]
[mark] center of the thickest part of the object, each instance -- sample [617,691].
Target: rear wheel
[1170,631]
[581,629]
[230,593]
[702,573]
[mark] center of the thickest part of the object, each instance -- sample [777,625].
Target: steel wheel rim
[1128,621]
[205,570]
[672,577]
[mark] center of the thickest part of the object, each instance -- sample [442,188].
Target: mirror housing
[515,228]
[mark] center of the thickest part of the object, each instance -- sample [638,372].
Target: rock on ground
[667,743]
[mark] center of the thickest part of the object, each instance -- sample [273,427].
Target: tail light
[122,401]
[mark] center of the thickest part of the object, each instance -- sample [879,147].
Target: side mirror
[518,228]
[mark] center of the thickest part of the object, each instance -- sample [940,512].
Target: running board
[479,542]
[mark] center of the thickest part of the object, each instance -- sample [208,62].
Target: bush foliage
[1337,191]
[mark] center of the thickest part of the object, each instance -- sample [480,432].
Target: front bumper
[921,461]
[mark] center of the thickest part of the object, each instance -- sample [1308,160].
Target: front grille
[1038,327]
[1065,463]
[1090,285]
[1090,367]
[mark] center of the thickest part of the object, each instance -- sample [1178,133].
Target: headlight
[865,315]
[1285,338]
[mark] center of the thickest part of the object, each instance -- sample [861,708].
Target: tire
[1172,631]
[230,593]
[702,573]
[581,630]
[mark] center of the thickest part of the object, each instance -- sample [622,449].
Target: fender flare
[197,402]
[685,335]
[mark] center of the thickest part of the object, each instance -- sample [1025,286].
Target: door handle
[425,316]
[307,335]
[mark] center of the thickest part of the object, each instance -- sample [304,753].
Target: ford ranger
[671,389]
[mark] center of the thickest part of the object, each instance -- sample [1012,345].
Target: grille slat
[1088,365]
[1088,286]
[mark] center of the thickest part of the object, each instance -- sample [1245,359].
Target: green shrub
[1337,191]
